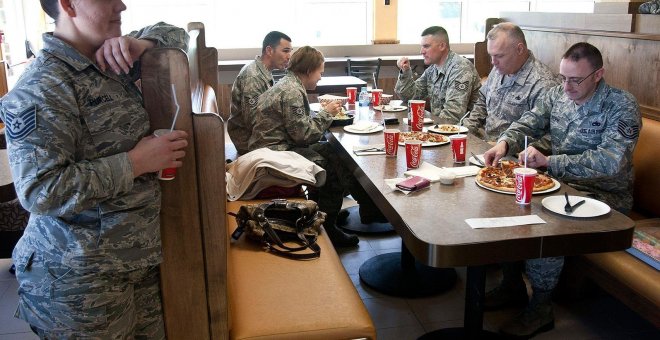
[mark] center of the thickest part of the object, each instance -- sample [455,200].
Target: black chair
[277,75]
[366,70]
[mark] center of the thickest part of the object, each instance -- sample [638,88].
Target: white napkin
[432,172]
[464,171]
[392,182]
[364,126]
[370,149]
[496,222]
[330,96]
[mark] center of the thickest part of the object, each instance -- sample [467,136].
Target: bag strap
[286,251]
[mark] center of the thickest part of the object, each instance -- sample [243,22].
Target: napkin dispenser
[414,183]
[391,121]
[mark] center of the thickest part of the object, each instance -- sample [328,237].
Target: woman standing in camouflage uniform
[284,123]
[82,162]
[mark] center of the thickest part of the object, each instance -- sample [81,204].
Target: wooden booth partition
[183,281]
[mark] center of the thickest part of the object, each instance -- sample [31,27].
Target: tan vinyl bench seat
[272,297]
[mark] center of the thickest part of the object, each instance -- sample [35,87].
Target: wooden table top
[432,223]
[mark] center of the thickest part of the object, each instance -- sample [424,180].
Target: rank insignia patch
[22,123]
[628,131]
[461,86]
[299,111]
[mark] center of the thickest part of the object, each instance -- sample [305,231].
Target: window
[464,20]
[244,23]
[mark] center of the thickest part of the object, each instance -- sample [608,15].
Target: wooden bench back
[193,231]
[646,164]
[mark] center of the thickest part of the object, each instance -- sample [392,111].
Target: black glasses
[577,81]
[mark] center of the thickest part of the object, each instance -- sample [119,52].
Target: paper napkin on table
[364,126]
[496,222]
[370,149]
[432,172]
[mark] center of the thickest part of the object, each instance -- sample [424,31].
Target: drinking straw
[525,151]
[176,103]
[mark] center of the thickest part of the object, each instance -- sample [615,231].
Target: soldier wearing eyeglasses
[594,129]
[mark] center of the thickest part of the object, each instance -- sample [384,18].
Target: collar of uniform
[65,52]
[263,69]
[595,103]
[443,69]
[521,76]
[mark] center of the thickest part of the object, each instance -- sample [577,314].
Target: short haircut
[587,51]
[512,31]
[51,7]
[272,39]
[305,60]
[438,32]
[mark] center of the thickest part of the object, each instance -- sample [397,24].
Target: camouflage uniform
[592,148]
[253,80]
[452,88]
[284,123]
[87,262]
[502,100]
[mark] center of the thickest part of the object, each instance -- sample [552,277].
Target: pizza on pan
[502,178]
[423,136]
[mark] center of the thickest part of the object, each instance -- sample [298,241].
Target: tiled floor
[600,317]
[401,318]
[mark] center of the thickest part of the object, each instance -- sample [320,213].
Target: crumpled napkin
[509,221]
[432,172]
[392,182]
[364,126]
[370,149]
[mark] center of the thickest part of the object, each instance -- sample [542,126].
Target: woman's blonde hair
[305,60]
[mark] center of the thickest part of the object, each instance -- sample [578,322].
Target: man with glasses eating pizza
[593,129]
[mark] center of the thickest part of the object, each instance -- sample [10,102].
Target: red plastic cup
[375,96]
[391,142]
[524,184]
[166,174]
[417,114]
[351,93]
[413,153]
[458,147]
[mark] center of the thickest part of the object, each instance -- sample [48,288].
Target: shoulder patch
[628,131]
[300,111]
[252,102]
[19,125]
[461,86]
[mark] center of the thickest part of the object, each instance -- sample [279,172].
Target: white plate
[554,188]
[352,129]
[426,121]
[315,107]
[390,108]
[472,160]
[590,208]
[461,129]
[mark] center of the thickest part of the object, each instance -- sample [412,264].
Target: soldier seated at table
[284,123]
[593,129]
[451,82]
[252,81]
[517,81]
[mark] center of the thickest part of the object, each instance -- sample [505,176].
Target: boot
[342,217]
[512,292]
[340,238]
[536,318]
